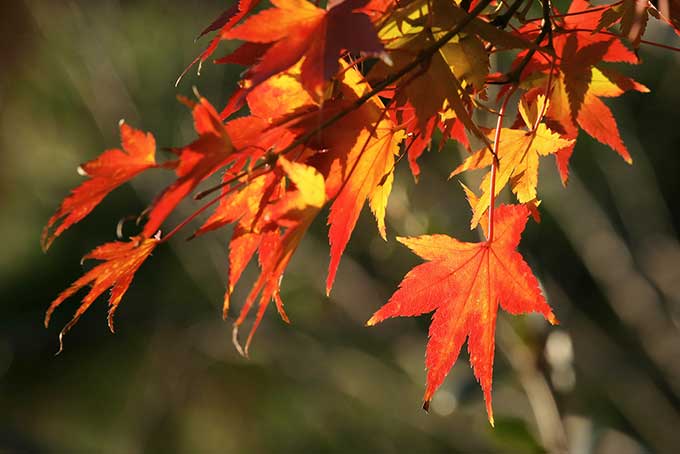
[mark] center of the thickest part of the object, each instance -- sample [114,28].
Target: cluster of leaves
[310,126]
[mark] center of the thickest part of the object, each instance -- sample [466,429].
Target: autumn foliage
[331,98]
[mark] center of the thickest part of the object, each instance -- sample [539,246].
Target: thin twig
[496,163]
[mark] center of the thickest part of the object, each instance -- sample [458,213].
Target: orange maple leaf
[108,171]
[121,262]
[359,166]
[197,161]
[464,283]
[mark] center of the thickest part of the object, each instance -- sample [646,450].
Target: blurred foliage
[607,380]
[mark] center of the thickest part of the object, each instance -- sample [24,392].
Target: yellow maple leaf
[518,156]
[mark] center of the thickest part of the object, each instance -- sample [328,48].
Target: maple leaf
[258,200]
[121,262]
[464,283]
[297,29]
[280,96]
[357,162]
[518,155]
[108,171]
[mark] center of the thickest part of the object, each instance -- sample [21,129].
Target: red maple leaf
[463,283]
[110,170]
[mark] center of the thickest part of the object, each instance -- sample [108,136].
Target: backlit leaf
[463,284]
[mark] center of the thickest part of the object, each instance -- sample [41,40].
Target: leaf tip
[196,92]
[552,319]
[61,343]
[489,408]
[332,269]
[45,239]
[426,405]
[235,341]
[382,232]
[225,304]
[385,57]
[402,239]
[109,321]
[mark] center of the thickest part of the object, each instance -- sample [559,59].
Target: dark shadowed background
[607,380]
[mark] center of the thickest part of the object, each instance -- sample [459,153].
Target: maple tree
[331,99]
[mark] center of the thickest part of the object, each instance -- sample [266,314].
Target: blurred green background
[607,380]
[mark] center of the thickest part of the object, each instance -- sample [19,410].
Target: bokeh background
[607,380]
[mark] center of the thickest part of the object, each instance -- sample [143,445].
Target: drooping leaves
[276,235]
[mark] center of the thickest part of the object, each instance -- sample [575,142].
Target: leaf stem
[548,93]
[496,163]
